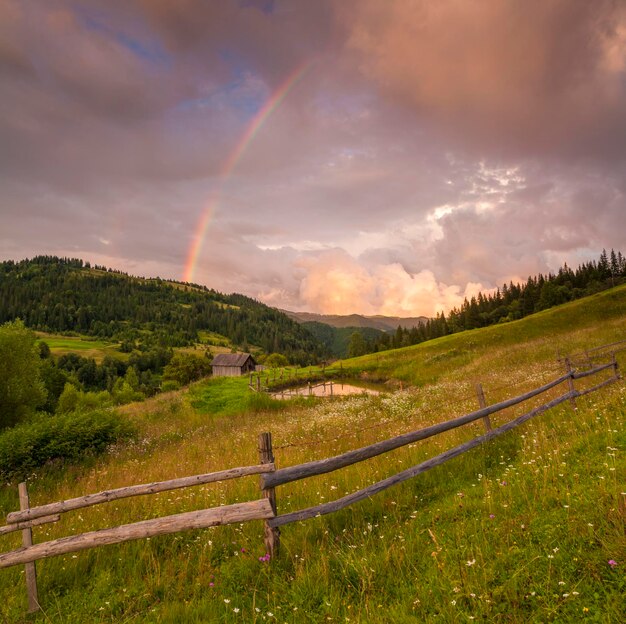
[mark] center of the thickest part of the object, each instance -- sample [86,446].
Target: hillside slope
[529,528]
[58,295]
[541,337]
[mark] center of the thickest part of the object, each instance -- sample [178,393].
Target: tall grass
[519,530]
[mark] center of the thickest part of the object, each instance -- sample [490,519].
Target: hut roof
[231,359]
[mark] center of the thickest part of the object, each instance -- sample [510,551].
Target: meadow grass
[86,347]
[519,530]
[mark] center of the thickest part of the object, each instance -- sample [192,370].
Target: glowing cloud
[336,283]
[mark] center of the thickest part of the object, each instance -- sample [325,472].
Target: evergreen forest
[53,294]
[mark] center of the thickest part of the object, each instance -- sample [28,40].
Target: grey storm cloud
[431,148]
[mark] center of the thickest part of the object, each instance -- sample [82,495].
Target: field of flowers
[528,528]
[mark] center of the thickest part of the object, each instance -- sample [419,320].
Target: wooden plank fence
[266,508]
[29,517]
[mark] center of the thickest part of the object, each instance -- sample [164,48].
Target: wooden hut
[232,364]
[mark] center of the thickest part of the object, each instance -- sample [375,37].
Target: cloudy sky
[336,156]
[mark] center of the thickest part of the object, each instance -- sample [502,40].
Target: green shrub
[185,368]
[169,385]
[21,389]
[66,437]
[276,360]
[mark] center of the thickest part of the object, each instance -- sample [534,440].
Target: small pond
[343,387]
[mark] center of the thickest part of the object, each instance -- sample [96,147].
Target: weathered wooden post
[258,383]
[570,381]
[310,390]
[272,535]
[331,387]
[616,367]
[480,394]
[27,540]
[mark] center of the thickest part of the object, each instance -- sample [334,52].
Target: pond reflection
[326,389]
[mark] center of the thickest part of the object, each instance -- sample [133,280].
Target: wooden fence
[29,517]
[266,508]
[586,358]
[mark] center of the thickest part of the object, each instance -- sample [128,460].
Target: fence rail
[266,508]
[322,466]
[355,497]
[29,517]
[241,512]
[135,490]
[589,355]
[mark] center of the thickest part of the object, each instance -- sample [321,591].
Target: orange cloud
[336,283]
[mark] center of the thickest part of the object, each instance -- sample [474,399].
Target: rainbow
[230,163]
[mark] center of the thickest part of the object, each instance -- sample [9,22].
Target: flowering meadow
[527,528]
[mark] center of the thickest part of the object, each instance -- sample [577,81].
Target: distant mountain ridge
[382,323]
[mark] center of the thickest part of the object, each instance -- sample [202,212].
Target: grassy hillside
[96,349]
[508,347]
[520,530]
[99,349]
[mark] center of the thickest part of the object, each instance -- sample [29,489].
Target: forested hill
[60,294]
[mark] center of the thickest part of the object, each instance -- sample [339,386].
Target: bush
[65,437]
[276,360]
[21,390]
[185,368]
[74,400]
[169,385]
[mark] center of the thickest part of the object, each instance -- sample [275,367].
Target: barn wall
[226,371]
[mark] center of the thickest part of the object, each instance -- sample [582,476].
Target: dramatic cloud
[527,77]
[429,150]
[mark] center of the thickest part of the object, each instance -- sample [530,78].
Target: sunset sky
[336,156]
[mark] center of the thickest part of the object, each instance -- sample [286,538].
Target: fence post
[616,367]
[27,540]
[258,383]
[482,403]
[570,381]
[272,535]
